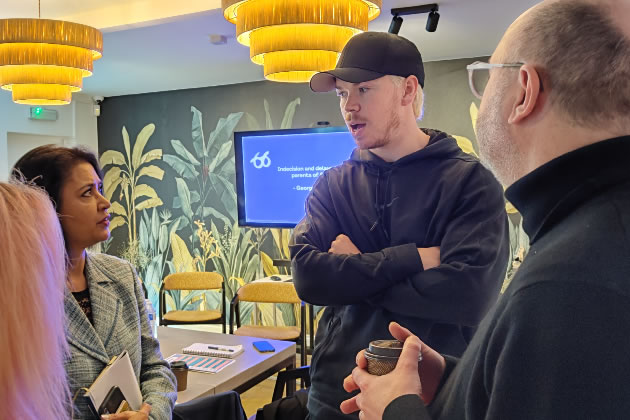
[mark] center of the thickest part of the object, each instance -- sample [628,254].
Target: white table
[250,368]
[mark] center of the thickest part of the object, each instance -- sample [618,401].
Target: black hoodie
[437,196]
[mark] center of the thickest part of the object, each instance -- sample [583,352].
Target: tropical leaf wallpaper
[168,161]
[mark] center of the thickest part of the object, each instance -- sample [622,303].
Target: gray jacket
[120,323]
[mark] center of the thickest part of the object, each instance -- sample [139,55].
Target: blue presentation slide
[279,171]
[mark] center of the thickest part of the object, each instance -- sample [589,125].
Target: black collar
[549,193]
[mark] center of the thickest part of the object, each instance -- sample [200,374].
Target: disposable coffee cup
[382,356]
[180,370]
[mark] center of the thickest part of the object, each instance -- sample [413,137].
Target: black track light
[432,21]
[394,27]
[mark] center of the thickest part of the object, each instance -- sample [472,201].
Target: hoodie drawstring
[380,208]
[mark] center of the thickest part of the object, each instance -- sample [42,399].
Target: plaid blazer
[120,323]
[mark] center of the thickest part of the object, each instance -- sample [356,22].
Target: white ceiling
[158,45]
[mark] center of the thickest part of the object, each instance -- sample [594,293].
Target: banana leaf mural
[145,246]
[154,243]
[208,171]
[203,171]
[125,173]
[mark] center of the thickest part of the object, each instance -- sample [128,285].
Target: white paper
[120,373]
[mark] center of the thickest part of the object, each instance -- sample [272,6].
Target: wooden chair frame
[222,320]
[235,315]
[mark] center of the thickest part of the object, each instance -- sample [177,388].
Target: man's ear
[411,87]
[529,94]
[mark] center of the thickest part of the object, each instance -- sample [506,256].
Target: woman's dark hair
[48,167]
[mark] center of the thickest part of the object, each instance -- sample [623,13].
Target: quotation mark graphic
[261,161]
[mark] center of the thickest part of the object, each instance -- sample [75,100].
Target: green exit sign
[39,113]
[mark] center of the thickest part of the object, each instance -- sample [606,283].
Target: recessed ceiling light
[216,39]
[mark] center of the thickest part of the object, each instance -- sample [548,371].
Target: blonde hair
[33,384]
[418,101]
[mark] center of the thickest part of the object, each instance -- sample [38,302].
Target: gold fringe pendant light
[43,61]
[294,39]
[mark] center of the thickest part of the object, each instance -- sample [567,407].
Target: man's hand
[378,391]
[343,245]
[430,257]
[407,378]
[143,414]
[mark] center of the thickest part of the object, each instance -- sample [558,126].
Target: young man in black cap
[410,228]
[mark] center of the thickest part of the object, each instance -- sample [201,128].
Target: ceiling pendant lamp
[294,39]
[43,61]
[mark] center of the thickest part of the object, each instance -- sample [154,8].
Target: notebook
[201,363]
[216,350]
[118,372]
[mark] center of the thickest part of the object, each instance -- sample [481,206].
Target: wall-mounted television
[276,169]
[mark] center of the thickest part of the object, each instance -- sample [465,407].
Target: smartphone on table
[263,346]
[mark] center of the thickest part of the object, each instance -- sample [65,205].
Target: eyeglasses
[479,79]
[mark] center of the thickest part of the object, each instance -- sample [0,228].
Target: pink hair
[33,383]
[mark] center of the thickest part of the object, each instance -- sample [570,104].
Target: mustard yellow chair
[269,292]
[193,281]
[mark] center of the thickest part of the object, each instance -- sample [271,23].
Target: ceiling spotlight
[432,21]
[216,39]
[394,27]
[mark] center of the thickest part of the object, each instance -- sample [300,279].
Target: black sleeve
[474,254]
[353,277]
[408,407]
[451,364]
[560,351]
[411,406]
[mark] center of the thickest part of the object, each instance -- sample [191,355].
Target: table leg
[291,383]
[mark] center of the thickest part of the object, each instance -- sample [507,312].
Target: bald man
[554,126]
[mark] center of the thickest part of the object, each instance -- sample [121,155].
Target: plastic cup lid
[179,364]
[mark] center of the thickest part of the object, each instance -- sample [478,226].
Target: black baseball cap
[371,55]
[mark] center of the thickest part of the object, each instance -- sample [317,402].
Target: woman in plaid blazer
[104,305]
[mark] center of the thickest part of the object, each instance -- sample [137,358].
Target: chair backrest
[193,281]
[268,292]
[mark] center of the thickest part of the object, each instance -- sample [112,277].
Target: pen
[219,348]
